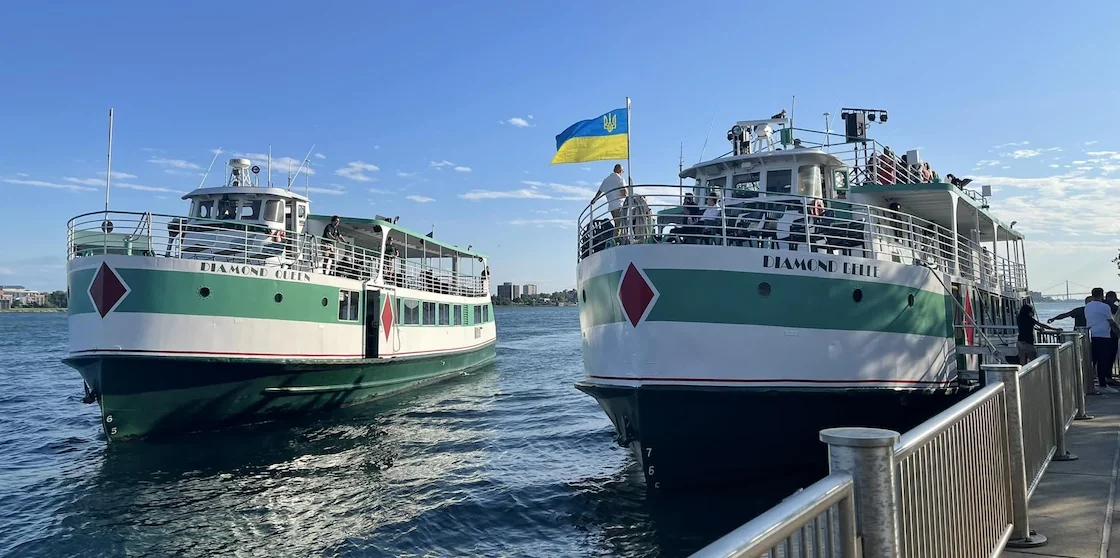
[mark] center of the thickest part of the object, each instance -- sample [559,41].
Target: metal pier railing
[959,484]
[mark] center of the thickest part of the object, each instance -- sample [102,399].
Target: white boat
[828,286]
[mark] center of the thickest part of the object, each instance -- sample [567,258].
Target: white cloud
[175,163]
[180,172]
[1054,166]
[1012,144]
[44,184]
[23,174]
[377,147]
[118,175]
[356,170]
[143,188]
[1094,142]
[1080,162]
[986,163]
[279,164]
[85,181]
[1105,154]
[216,151]
[524,193]
[462,169]
[402,174]
[438,165]
[320,156]
[562,223]
[328,191]
[1029,153]
[378,191]
[517,122]
[421,199]
[585,168]
[6,271]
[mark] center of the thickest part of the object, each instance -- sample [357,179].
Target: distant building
[529,290]
[509,291]
[11,294]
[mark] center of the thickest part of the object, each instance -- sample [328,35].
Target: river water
[509,461]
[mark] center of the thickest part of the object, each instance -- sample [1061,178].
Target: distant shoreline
[31,310]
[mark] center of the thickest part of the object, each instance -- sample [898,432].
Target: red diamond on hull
[107,290]
[387,318]
[635,294]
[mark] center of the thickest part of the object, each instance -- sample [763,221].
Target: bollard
[1059,415]
[1021,534]
[1078,371]
[868,455]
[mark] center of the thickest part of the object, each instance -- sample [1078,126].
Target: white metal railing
[818,521]
[234,242]
[656,214]
[960,483]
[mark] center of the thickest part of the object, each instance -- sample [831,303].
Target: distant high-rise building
[509,291]
[529,290]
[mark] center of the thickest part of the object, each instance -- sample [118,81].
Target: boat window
[227,209]
[716,185]
[411,312]
[348,305]
[444,314]
[204,209]
[779,181]
[745,185]
[809,181]
[274,211]
[429,313]
[302,211]
[478,314]
[457,314]
[486,313]
[250,210]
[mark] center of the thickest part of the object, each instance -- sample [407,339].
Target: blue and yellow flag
[603,137]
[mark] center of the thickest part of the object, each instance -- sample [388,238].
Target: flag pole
[629,171]
[109,164]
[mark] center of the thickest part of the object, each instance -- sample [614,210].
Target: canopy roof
[930,201]
[417,243]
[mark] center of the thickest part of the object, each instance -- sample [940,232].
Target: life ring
[818,208]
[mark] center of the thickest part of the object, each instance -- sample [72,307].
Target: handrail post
[868,455]
[1078,372]
[1088,372]
[1057,401]
[1021,534]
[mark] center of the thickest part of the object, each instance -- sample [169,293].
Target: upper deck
[799,190]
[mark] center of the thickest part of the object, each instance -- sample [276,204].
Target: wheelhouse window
[779,181]
[227,209]
[745,185]
[204,209]
[809,181]
[274,211]
[250,210]
[716,185]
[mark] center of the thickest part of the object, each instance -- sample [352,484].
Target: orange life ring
[818,207]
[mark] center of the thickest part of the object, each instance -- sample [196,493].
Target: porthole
[764,289]
[278,298]
[204,292]
[910,300]
[857,295]
[325,301]
[583,294]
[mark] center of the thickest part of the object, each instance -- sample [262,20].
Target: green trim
[730,297]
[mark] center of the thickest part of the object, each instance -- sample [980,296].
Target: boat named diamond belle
[807,280]
[240,311]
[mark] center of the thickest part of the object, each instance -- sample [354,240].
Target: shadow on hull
[701,437]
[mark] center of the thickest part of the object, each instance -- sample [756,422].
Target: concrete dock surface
[1074,504]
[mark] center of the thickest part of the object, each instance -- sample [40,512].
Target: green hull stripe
[732,297]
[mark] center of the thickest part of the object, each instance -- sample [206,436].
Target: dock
[1026,466]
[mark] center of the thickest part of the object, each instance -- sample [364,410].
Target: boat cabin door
[373,318]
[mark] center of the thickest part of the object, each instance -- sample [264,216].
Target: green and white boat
[241,311]
[828,283]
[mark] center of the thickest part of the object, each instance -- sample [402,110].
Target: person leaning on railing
[614,189]
[330,237]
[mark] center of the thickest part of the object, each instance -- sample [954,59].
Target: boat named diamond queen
[250,307]
[806,280]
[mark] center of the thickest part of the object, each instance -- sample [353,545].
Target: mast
[109,164]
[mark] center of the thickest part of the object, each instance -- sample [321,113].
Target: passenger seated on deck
[330,237]
[710,220]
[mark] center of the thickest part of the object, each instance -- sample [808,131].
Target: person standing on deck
[1028,323]
[1078,315]
[1098,317]
[614,189]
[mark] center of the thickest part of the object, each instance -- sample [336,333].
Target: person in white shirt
[614,189]
[1098,317]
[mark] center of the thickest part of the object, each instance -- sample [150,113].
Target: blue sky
[418,107]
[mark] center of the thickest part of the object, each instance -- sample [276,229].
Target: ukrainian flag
[603,137]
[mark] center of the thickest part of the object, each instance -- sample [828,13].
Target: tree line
[56,299]
[557,298]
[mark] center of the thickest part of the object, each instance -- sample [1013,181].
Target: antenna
[792,108]
[109,165]
[289,176]
[705,148]
[680,166]
[306,159]
[307,179]
[270,165]
[219,152]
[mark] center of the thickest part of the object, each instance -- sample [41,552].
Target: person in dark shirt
[1078,315]
[330,237]
[1027,325]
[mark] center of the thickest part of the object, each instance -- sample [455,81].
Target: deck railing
[234,242]
[959,484]
[656,214]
